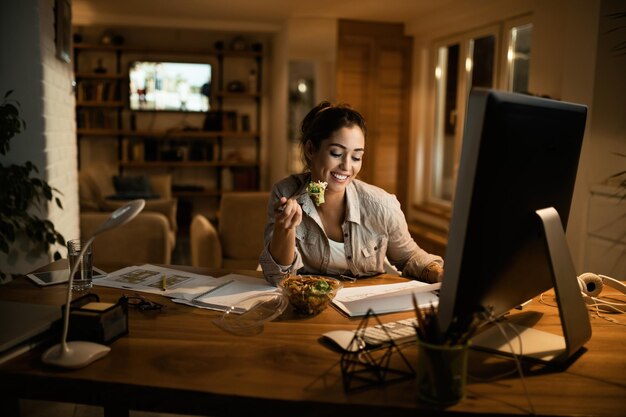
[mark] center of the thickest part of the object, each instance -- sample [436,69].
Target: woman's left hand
[433,272]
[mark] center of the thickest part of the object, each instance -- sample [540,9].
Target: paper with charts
[186,287]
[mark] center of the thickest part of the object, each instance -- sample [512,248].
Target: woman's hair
[325,119]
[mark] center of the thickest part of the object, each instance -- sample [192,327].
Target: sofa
[149,238]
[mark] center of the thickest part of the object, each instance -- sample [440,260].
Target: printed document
[183,287]
[387,298]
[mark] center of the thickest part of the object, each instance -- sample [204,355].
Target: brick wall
[59,127]
[42,84]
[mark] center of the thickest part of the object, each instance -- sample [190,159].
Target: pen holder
[93,321]
[441,372]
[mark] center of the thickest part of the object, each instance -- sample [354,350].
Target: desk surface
[177,360]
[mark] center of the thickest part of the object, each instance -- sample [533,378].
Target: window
[461,63]
[518,58]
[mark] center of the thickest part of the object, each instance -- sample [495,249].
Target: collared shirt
[374,228]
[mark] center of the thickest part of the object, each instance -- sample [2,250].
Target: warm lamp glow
[302,86]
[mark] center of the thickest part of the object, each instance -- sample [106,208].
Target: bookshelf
[227,152]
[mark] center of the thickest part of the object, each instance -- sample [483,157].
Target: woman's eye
[335,155]
[355,159]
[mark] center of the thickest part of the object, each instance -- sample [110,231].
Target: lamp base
[78,355]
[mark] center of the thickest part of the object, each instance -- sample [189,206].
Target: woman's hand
[433,272]
[288,214]
[283,244]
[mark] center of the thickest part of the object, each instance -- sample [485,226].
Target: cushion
[164,206]
[88,193]
[130,187]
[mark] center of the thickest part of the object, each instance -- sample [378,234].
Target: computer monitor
[519,155]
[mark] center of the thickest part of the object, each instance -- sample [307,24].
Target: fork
[296,195]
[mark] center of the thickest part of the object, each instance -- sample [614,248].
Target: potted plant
[24,196]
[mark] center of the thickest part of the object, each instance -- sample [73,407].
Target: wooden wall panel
[373,76]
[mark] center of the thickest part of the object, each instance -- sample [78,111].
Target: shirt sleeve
[272,271]
[402,250]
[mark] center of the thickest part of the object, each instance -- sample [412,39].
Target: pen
[164,283]
[212,289]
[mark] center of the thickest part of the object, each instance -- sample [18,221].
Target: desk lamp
[77,354]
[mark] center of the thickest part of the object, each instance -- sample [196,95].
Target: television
[506,242]
[169,86]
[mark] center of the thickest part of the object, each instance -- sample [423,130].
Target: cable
[488,316]
[595,308]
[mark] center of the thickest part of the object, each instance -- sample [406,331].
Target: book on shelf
[220,120]
[95,119]
[97,91]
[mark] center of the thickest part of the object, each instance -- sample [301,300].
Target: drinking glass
[84,273]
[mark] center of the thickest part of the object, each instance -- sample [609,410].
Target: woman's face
[339,158]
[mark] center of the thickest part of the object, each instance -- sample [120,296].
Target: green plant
[23,195]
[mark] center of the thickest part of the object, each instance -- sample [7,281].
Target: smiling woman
[358,226]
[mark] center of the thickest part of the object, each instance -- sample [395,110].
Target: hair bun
[310,117]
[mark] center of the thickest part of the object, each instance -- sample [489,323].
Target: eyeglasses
[140,302]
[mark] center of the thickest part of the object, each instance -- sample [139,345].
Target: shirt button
[345,235]
[349,256]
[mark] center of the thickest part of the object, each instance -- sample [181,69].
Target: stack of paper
[388,298]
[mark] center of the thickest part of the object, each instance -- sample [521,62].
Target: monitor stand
[536,344]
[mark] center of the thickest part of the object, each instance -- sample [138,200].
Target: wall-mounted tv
[169,86]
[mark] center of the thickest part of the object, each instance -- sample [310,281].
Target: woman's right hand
[288,213]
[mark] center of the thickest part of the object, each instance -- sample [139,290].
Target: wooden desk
[178,361]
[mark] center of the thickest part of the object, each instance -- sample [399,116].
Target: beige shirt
[374,228]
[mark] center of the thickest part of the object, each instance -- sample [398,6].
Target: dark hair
[325,119]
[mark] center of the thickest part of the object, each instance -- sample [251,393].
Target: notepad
[386,298]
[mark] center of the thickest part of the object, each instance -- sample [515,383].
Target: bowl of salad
[310,294]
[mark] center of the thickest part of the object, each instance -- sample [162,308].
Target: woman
[356,228]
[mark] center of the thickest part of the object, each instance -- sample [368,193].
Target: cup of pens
[441,357]
[441,372]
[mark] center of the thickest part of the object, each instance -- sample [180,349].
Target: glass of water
[84,273]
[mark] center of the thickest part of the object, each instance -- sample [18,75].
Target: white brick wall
[59,127]
[42,84]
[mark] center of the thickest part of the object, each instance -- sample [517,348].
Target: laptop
[22,322]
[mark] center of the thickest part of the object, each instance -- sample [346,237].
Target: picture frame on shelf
[63,29]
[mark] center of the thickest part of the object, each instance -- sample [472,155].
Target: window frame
[463,87]
[427,208]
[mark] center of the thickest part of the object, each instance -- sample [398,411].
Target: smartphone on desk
[59,276]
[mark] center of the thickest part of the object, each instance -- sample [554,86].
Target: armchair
[150,237]
[238,240]
[144,240]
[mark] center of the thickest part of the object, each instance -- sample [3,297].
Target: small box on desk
[98,322]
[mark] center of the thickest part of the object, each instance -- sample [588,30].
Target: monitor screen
[169,86]
[520,154]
